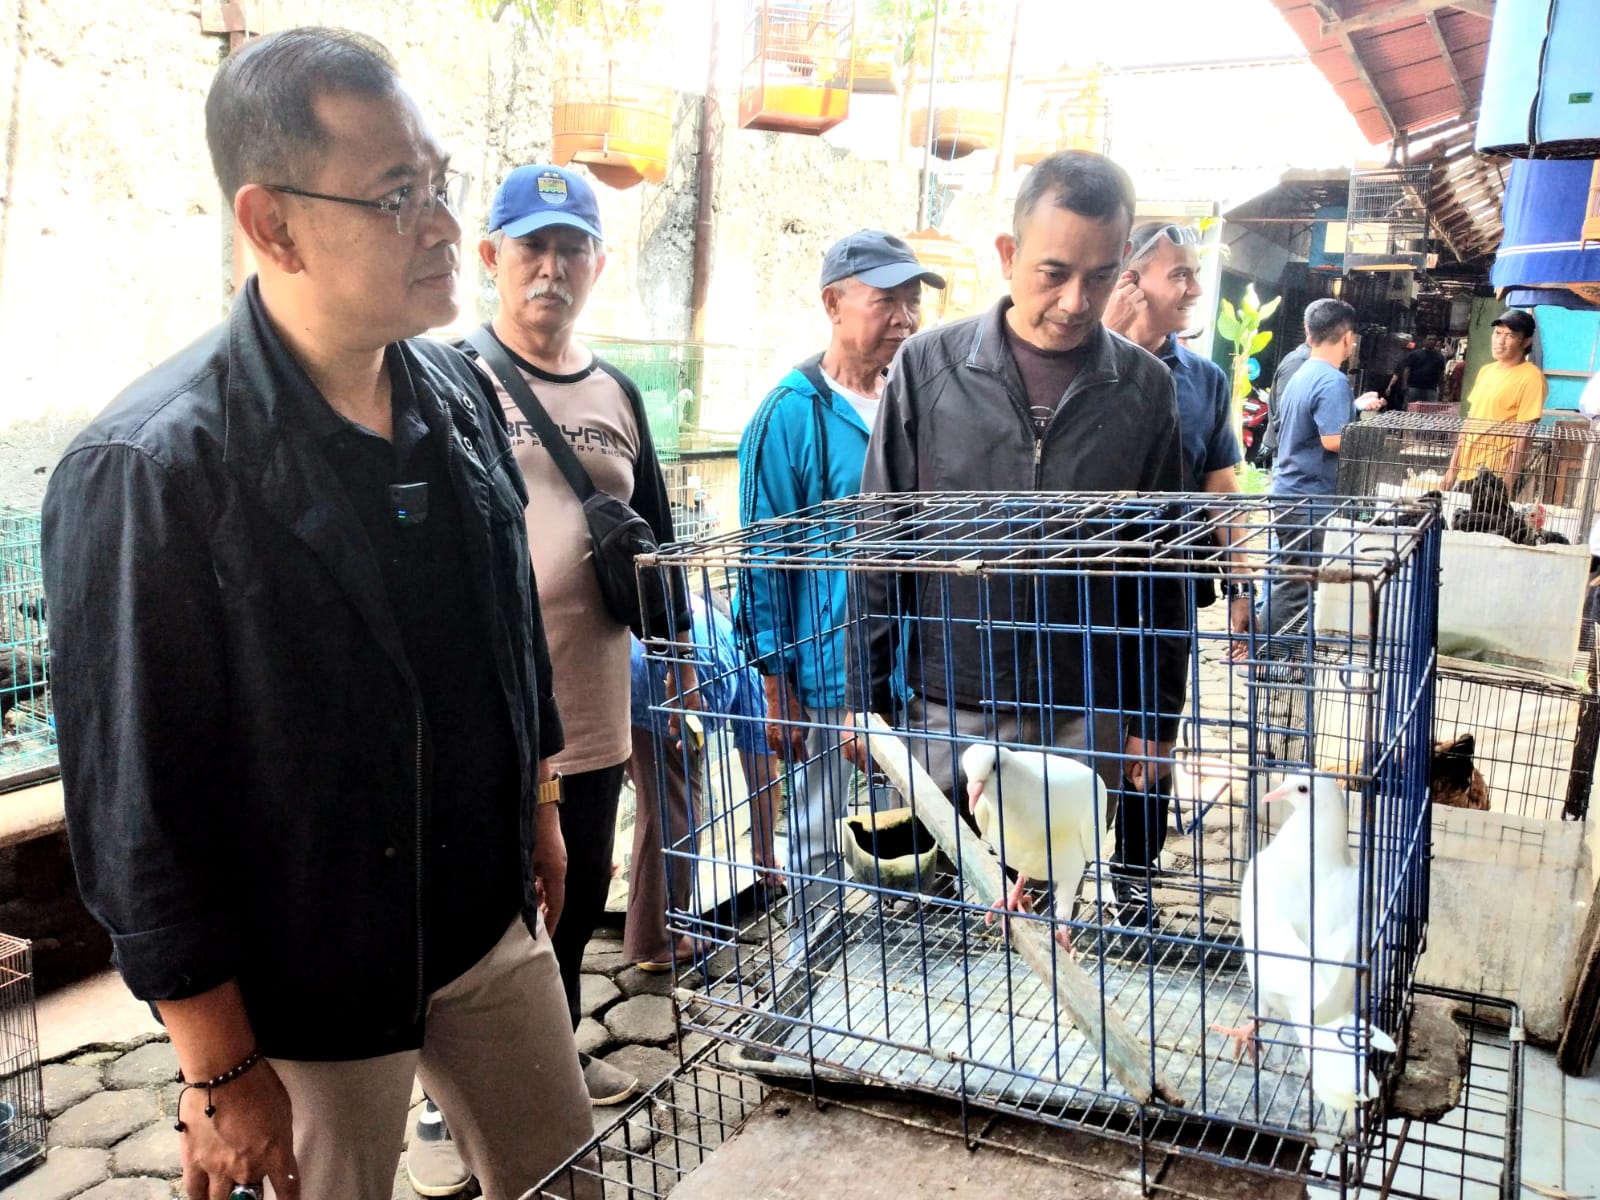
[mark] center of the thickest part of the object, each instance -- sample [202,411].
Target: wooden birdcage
[1072,114]
[798,65]
[611,122]
[959,266]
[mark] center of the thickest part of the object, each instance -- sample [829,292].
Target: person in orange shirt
[1508,389]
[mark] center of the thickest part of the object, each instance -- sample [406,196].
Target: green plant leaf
[1227,323]
[1271,307]
[1260,341]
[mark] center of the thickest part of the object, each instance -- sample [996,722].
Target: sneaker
[606,1084]
[433,1164]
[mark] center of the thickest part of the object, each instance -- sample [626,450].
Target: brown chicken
[1453,780]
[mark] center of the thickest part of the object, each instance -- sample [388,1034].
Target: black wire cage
[1545,477]
[1071,632]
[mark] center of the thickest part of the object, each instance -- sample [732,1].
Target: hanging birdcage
[797,65]
[1073,114]
[1387,220]
[606,118]
[968,86]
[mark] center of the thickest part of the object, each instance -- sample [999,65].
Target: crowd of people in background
[314,507]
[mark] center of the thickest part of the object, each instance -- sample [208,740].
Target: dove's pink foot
[1064,940]
[1244,1038]
[1010,902]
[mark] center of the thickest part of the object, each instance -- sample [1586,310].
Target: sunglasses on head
[1178,235]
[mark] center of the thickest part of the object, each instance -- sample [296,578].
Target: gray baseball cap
[878,259]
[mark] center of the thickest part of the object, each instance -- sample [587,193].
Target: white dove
[1302,891]
[1336,1057]
[1041,812]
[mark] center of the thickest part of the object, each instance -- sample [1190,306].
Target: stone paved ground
[111,1108]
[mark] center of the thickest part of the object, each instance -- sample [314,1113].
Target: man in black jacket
[302,688]
[1036,395]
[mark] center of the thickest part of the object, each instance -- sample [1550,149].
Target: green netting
[663,371]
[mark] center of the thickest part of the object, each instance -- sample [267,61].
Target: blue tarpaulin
[1546,200]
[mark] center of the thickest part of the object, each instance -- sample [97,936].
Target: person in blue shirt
[662,762]
[1316,407]
[1153,302]
[805,445]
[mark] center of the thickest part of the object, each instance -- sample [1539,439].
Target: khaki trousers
[645,935]
[498,1058]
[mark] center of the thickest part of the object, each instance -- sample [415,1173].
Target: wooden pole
[1003,159]
[927,125]
[1126,1055]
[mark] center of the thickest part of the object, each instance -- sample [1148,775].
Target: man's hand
[853,746]
[683,691]
[249,1139]
[1240,612]
[786,718]
[549,864]
[1138,751]
[1368,401]
[1127,304]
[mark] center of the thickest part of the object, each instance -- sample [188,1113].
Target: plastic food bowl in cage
[889,849]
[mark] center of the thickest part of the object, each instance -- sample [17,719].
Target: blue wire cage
[1060,625]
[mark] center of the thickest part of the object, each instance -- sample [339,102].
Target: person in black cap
[804,445]
[1508,389]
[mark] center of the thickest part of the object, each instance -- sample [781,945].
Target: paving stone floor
[111,1107]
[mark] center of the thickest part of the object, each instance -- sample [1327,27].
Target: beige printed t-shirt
[588,650]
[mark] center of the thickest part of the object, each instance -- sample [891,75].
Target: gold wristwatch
[550,790]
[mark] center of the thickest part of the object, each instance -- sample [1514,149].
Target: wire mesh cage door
[22,1125]
[1049,700]
[27,727]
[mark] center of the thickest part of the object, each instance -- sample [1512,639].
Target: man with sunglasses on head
[302,689]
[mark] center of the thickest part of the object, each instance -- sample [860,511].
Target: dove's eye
[1302,789]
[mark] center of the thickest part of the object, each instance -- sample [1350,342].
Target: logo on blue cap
[552,188]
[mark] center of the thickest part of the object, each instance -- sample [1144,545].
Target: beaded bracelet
[227,1076]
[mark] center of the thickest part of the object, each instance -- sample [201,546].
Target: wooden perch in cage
[1126,1055]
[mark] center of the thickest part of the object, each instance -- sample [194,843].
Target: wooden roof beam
[1449,62]
[1402,10]
[1333,25]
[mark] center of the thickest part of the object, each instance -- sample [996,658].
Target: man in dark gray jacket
[1036,395]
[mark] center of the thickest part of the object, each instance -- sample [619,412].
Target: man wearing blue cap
[544,252]
[806,444]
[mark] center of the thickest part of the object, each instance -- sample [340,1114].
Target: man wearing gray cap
[806,444]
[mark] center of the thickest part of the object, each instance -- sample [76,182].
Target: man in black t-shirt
[1420,373]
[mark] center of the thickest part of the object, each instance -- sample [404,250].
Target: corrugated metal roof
[1415,67]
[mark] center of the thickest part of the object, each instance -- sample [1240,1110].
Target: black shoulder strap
[553,440]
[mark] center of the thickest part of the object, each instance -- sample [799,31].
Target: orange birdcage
[798,65]
[606,119]
[958,264]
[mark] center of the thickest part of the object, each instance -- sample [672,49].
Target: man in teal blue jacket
[805,445]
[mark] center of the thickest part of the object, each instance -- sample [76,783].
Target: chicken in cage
[1530,483]
[1080,858]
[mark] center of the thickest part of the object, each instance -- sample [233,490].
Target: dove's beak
[1276,794]
[974,790]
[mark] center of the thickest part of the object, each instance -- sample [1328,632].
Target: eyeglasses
[408,205]
[1178,235]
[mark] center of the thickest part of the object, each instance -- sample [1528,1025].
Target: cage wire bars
[1055,625]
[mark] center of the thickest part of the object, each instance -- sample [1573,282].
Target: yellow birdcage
[968,90]
[617,126]
[958,264]
[798,65]
[1072,114]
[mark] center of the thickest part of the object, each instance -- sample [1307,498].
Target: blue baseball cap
[537,196]
[878,259]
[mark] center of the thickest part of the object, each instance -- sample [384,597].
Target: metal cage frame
[22,1120]
[828,1014]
